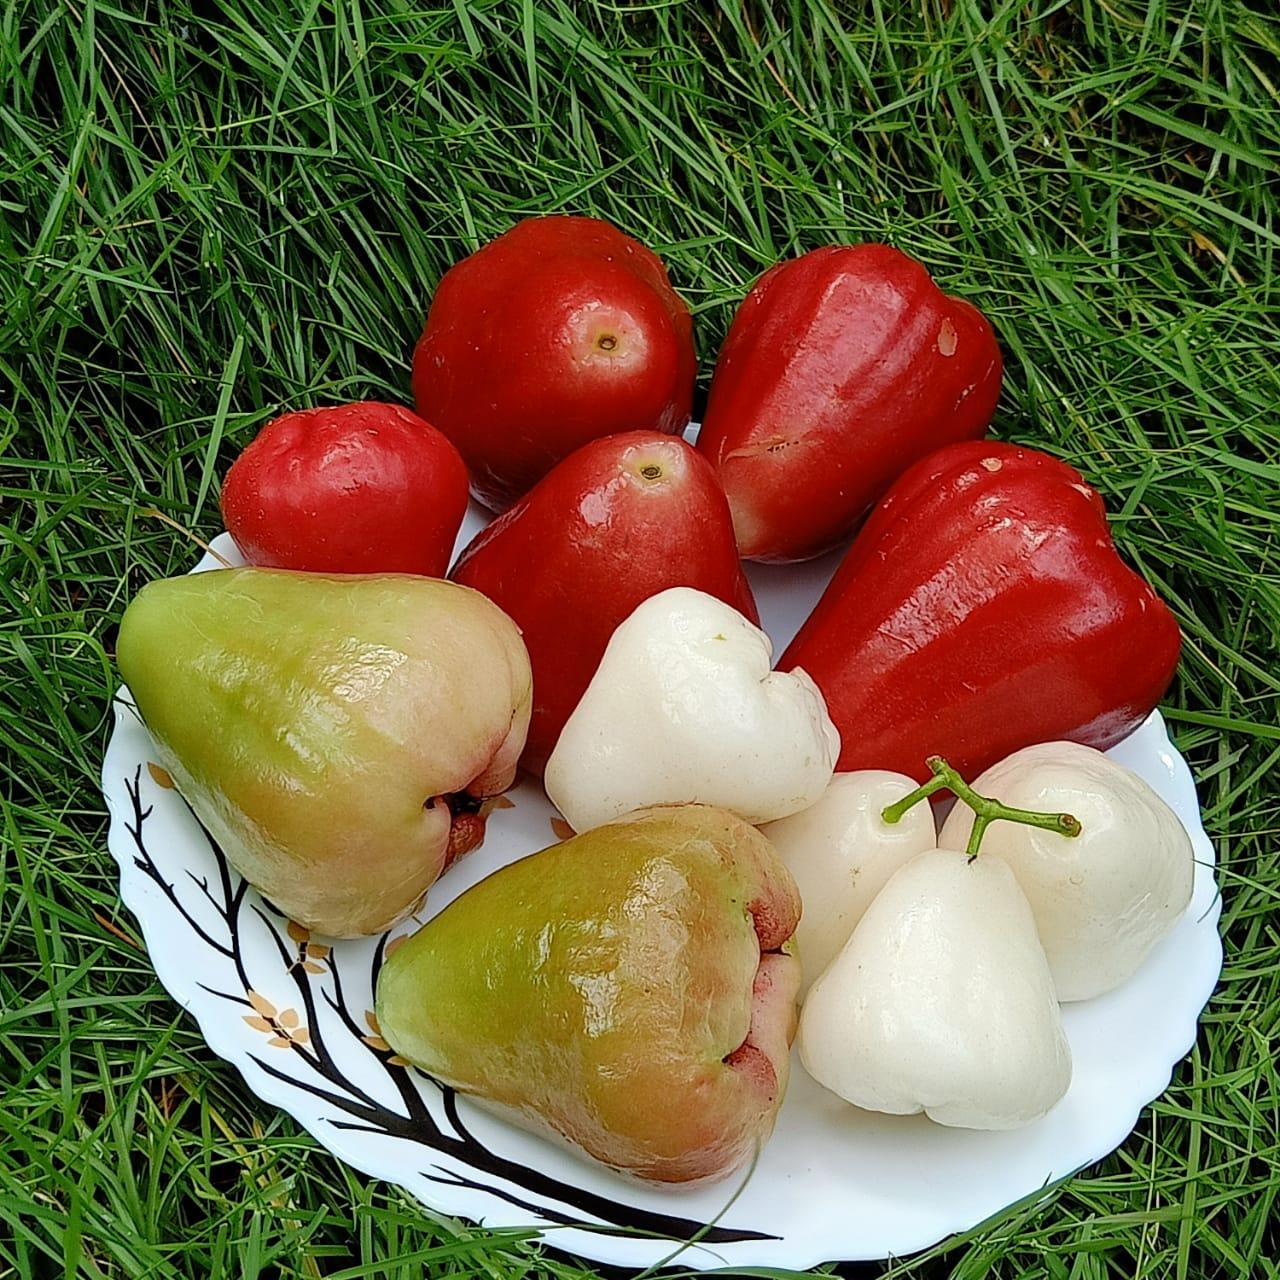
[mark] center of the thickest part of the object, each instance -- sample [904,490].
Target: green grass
[211,211]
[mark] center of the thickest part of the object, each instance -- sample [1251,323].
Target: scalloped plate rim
[588,1240]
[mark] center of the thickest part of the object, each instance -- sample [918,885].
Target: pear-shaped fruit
[941,1001]
[982,607]
[624,991]
[618,521]
[1101,899]
[684,708]
[321,727]
[842,852]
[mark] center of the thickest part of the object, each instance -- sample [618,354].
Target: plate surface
[293,1013]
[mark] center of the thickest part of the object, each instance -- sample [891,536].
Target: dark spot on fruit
[651,471]
[461,802]
[606,342]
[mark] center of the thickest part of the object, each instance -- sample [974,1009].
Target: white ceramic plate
[294,1015]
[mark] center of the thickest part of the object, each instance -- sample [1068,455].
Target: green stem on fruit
[986,809]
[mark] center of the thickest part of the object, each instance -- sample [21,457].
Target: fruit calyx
[986,809]
[468,815]
[773,994]
[773,999]
[772,931]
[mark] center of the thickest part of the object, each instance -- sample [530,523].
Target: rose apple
[842,367]
[559,331]
[627,992]
[981,608]
[618,521]
[334,733]
[351,488]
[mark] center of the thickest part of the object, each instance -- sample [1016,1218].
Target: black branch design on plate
[360,1111]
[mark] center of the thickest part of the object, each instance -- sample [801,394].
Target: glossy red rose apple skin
[983,607]
[352,488]
[560,331]
[618,521]
[841,368]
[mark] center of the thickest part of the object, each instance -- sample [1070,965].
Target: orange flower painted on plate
[377,1043]
[282,1025]
[159,775]
[310,954]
